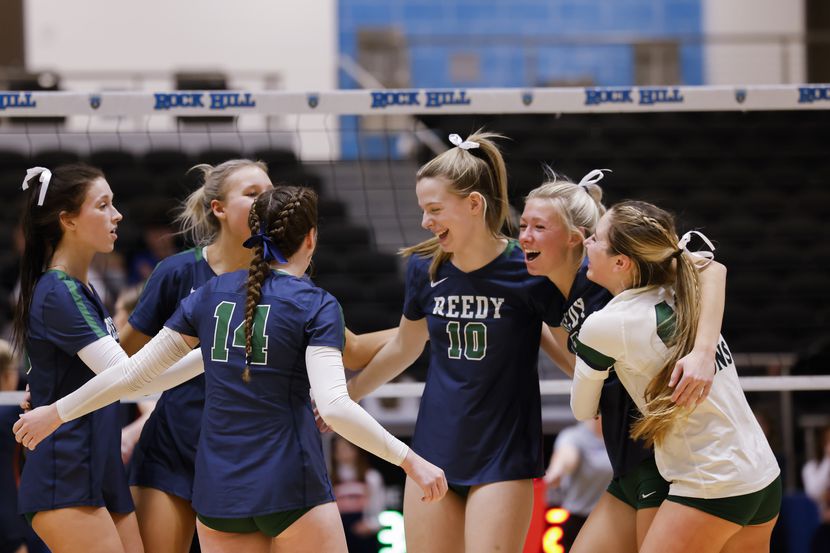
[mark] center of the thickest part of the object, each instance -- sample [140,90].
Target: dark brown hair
[286,214]
[42,231]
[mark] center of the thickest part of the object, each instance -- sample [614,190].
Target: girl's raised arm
[392,359]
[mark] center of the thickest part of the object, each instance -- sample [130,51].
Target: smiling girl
[468,292]
[557,217]
[725,491]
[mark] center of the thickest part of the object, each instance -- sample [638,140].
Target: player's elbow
[581,411]
[335,411]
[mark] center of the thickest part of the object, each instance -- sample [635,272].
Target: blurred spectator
[108,276]
[394,411]
[15,534]
[360,495]
[9,273]
[159,242]
[821,538]
[778,541]
[154,216]
[816,475]
[580,468]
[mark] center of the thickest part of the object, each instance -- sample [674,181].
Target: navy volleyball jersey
[616,406]
[480,414]
[260,450]
[165,455]
[80,464]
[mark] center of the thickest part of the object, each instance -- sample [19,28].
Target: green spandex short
[747,510]
[270,525]
[643,488]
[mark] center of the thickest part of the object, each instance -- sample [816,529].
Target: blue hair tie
[270,252]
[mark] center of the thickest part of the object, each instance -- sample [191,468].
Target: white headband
[463,144]
[593,177]
[683,245]
[45,177]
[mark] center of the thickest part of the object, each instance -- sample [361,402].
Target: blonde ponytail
[196,219]
[480,170]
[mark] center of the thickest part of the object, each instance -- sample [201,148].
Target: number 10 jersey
[480,414]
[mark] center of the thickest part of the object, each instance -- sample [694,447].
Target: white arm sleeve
[106,352]
[189,366]
[102,354]
[347,418]
[598,345]
[586,390]
[130,374]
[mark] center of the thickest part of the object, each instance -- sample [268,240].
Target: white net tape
[419,101]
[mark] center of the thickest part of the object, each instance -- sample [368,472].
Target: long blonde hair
[646,235]
[479,170]
[579,206]
[196,218]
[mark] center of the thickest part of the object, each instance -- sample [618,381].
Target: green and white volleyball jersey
[718,450]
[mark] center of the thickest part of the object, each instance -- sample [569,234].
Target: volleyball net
[746,164]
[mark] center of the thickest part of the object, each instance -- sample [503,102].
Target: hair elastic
[463,144]
[683,246]
[45,178]
[592,177]
[270,252]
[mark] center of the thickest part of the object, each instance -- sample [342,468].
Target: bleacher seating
[757,184]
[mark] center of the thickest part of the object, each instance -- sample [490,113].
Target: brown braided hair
[286,214]
[646,235]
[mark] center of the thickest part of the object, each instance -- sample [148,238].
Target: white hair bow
[463,144]
[706,257]
[45,177]
[593,177]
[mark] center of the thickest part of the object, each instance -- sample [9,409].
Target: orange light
[550,541]
[557,515]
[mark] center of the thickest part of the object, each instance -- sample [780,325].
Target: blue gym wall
[505,65]
[505,62]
